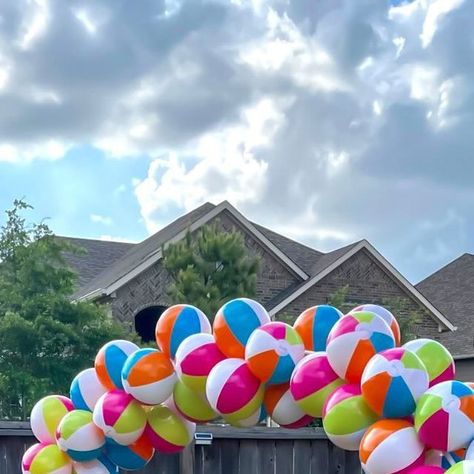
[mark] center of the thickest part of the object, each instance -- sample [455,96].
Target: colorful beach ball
[195,358]
[437,359]
[444,416]
[444,460]
[148,375]
[312,381]
[386,315]
[46,415]
[390,446]
[282,408]
[86,389]
[233,391]
[235,322]
[426,470]
[102,465]
[469,454]
[314,325]
[176,324]
[393,381]
[272,352]
[463,467]
[133,457]
[120,417]
[45,459]
[354,340]
[109,362]
[258,416]
[346,417]
[167,431]
[79,437]
[191,405]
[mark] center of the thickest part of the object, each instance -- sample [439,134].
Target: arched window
[145,322]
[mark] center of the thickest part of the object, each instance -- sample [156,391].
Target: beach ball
[101,465]
[312,381]
[386,315]
[191,405]
[195,358]
[46,415]
[346,417]
[354,340]
[426,470]
[120,417]
[272,352]
[437,359]
[235,322]
[469,454]
[109,362]
[255,418]
[176,324]
[444,416]
[86,389]
[390,446]
[314,325]
[79,437]
[148,375]
[282,408]
[233,391]
[393,381]
[133,457]
[463,467]
[45,459]
[167,431]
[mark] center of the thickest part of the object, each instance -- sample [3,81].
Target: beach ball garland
[386,315]
[109,362]
[46,416]
[282,408]
[314,325]
[233,391]
[79,437]
[176,324]
[120,417]
[444,416]
[45,458]
[393,381]
[312,381]
[149,376]
[391,446]
[354,340]
[195,358]
[101,465]
[347,416]
[235,322]
[167,431]
[86,389]
[437,359]
[272,352]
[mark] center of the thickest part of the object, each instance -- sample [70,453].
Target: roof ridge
[90,239]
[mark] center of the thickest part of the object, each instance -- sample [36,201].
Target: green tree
[45,339]
[210,268]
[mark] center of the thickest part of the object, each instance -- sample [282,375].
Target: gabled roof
[330,261]
[451,290]
[99,254]
[145,254]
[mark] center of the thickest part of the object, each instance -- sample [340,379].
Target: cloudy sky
[327,120]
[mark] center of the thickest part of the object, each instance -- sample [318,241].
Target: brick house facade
[292,276]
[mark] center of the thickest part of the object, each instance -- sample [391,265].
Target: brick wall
[368,282]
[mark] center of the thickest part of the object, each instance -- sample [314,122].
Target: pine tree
[210,268]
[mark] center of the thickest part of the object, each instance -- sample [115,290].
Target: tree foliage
[45,339]
[209,268]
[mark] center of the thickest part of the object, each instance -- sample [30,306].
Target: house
[451,290]
[131,280]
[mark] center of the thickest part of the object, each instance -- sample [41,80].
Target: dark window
[145,322]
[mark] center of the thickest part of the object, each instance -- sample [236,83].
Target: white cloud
[98,219]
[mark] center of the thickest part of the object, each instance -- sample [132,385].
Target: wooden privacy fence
[257,450]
